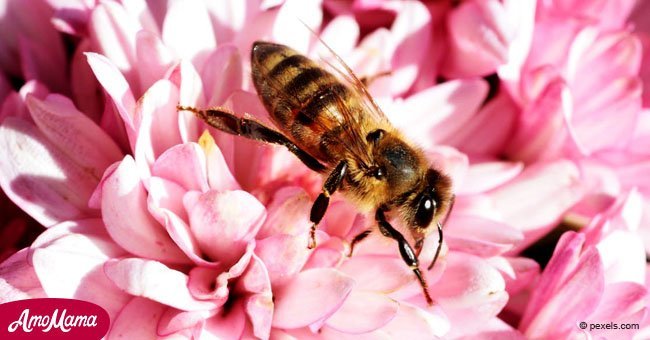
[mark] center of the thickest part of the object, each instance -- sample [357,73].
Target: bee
[335,128]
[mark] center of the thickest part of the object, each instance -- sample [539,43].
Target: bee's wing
[351,120]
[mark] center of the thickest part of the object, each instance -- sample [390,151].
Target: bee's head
[428,202]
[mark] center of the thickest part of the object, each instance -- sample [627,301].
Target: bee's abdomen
[302,98]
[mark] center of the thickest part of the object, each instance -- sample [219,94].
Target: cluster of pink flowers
[538,110]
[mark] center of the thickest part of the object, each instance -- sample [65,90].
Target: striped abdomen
[302,98]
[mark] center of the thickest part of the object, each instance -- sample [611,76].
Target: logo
[52,319]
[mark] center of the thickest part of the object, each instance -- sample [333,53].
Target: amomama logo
[52,319]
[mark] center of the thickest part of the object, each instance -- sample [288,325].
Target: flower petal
[222,74]
[138,319]
[175,31]
[283,256]
[578,297]
[156,120]
[365,269]
[117,88]
[113,31]
[192,175]
[287,213]
[411,33]
[155,281]
[124,211]
[556,186]
[74,133]
[291,32]
[68,264]
[18,280]
[363,312]
[312,296]
[455,102]
[40,178]
[489,175]
[415,323]
[224,222]
[480,236]
[470,292]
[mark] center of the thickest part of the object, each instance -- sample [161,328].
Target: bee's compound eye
[425,211]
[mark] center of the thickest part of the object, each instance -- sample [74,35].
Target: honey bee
[335,128]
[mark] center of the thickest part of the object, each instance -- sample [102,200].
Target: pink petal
[86,91]
[455,102]
[259,305]
[214,283]
[518,272]
[68,264]
[313,295]
[175,31]
[415,323]
[165,194]
[522,48]
[40,178]
[469,291]
[226,325]
[283,256]
[288,213]
[291,32]
[480,34]
[124,211]
[156,120]
[155,281]
[376,311]
[341,35]
[619,300]
[578,297]
[70,130]
[341,219]
[180,232]
[192,175]
[366,269]
[113,31]
[222,74]
[224,222]
[485,176]
[14,105]
[545,130]
[565,258]
[138,320]
[495,329]
[117,88]
[489,131]
[45,62]
[623,257]
[480,236]
[153,58]
[219,175]
[411,32]
[556,187]
[18,280]
[174,320]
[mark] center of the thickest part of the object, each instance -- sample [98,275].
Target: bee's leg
[405,250]
[358,239]
[227,122]
[331,184]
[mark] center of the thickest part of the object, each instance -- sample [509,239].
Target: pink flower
[596,277]
[181,230]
